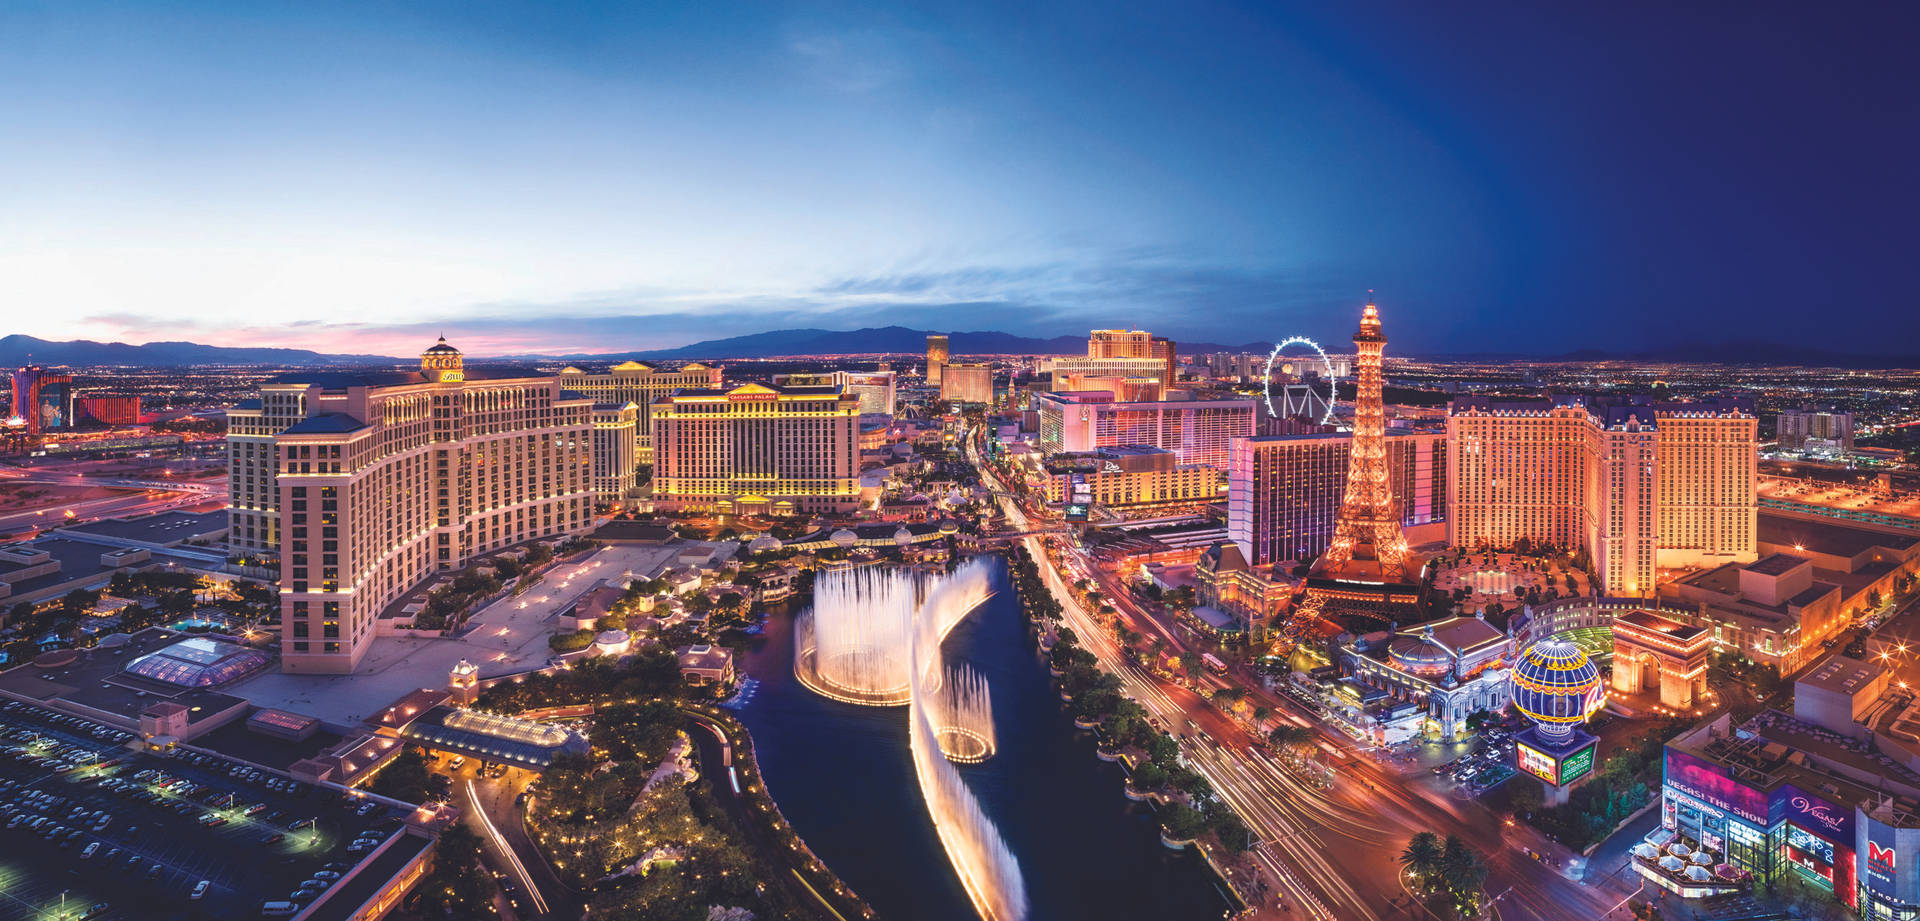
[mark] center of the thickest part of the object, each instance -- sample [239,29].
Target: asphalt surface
[492,808]
[156,845]
[1328,853]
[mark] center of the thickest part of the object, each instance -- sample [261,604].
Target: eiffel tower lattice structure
[1367,542]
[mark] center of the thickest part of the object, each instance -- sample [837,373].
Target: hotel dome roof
[1421,655]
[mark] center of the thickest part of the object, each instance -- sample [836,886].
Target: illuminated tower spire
[1367,543]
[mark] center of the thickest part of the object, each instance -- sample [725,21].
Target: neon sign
[1884,859]
[1883,862]
[1815,814]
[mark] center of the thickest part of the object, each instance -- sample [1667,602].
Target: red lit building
[43,399]
[109,410]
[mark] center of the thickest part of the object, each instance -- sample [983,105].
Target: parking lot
[91,829]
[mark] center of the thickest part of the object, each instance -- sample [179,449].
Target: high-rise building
[1623,469]
[253,493]
[1518,469]
[1134,343]
[967,383]
[1198,431]
[1124,389]
[382,479]
[875,389]
[640,383]
[1367,546]
[758,450]
[1074,373]
[615,451]
[43,399]
[108,410]
[1639,484]
[1283,491]
[936,358]
[1796,427]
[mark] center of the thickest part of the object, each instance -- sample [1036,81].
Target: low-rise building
[707,666]
[1451,669]
[1865,560]
[1828,793]
[1250,597]
[1772,610]
[1132,479]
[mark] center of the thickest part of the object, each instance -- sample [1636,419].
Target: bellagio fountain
[873,638]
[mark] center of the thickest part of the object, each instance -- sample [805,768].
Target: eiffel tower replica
[1364,571]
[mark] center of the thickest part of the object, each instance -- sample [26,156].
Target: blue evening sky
[593,177]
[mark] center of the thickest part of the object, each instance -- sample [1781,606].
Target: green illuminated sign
[1577,765]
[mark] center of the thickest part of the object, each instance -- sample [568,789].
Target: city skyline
[554,429]
[639,180]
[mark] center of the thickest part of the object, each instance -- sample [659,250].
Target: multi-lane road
[1328,853]
[132,497]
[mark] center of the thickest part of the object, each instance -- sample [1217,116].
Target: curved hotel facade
[380,480]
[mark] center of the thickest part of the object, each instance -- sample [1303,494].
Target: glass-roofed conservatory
[492,737]
[199,662]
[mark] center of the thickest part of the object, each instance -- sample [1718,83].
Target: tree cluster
[1449,871]
[1625,783]
[652,672]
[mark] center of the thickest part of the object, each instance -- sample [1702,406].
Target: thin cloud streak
[1054,299]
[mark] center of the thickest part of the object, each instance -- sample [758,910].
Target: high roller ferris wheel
[1278,357]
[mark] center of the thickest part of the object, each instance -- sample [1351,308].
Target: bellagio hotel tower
[368,483]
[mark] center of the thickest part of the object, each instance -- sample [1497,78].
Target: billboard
[1819,848]
[1887,864]
[1577,765]
[1079,497]
[1708,782]
[1815,814]
[1536,762]
[1559,768]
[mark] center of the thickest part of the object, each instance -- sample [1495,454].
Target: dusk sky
[577,178]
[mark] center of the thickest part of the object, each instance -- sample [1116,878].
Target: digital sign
[1813,813]
[1577,765]
[1820,849]
[1535,762]
[1708,782]
[1079,497]
[1558,769]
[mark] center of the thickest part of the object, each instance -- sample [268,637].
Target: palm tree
[1287,735]
[1423,855]
[1461,869]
